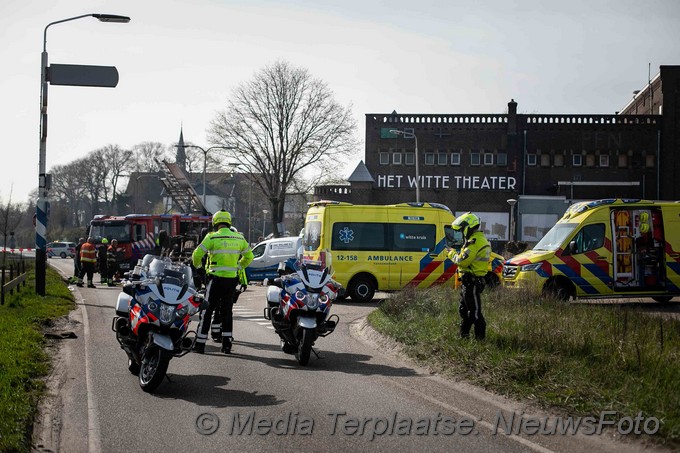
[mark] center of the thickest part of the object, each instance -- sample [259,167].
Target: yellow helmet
[466,223]
[221,217]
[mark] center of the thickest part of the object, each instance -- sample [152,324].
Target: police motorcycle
[152,317]
[299,304]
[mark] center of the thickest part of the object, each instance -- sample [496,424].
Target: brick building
[477,162]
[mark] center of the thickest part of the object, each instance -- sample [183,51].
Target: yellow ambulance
[384,247]
[605,248]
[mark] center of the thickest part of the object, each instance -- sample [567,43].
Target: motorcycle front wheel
[154,366]
[305,346]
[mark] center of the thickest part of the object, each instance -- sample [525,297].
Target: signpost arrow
[82,75]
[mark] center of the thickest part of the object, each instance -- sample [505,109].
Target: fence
[15,275]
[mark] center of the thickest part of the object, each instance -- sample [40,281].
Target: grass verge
[23,362]
[579,358]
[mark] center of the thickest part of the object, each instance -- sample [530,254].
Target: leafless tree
[146,155]
[285,125]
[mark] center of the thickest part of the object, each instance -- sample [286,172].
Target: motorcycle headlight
[299,295]
[313,302]
[531,267]
[167,313]
[153,306]
[323,299]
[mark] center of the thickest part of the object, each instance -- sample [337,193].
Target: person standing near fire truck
[88,260]
[223,248]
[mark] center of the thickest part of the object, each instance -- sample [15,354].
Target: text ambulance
[383,248]
[605,248]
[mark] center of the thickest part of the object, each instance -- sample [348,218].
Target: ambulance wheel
[362,288]
[662,299]
[559,289]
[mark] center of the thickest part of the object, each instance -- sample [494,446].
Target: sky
[179,61]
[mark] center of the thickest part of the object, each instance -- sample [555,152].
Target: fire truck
[136,233]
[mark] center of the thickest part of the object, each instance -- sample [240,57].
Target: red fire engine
[136,233]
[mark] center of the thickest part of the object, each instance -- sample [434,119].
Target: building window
[649,160]
[590,160]
[576,160]
[409,158]
[384,158]
[475,159]
[442,158]
[604,160]
[531,160]
[501,159]
[558,160]
[455,158]
[429,158]
[488,159]
[396,158]
[545,160]
[623,161]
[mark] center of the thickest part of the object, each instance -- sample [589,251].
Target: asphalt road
[358,396]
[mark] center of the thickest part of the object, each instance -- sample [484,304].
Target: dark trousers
[220,295]
[470,307]
[86,267]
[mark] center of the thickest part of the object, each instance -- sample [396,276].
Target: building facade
[483,162]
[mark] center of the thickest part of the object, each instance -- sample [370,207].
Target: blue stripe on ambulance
[579,281]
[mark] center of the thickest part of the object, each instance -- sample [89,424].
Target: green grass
[578,358]
[23,362]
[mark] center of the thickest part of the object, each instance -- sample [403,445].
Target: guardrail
[12,277]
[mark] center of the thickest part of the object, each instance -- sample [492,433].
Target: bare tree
[146,156]
[285,125]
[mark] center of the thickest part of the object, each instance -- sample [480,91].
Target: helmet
[105,241]
[466,223]
[221,217]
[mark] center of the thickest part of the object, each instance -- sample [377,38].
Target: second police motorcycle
[299,304]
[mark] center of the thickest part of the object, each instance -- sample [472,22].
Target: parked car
[61,249]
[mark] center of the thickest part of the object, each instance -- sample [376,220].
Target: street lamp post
[512,203]
[41,209]
[205,161]
[264,219]
[395,131]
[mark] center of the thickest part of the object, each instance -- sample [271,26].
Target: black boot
[226,345]
[199,348]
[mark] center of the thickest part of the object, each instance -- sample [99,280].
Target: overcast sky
[179,61]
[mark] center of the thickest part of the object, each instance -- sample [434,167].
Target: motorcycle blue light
[153,306]
[299,295]
[323,299]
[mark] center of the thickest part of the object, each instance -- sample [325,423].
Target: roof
[361,174]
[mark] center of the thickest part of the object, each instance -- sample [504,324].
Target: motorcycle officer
[473,262]
[223,248]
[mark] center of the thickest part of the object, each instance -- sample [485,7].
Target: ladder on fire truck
[179,188]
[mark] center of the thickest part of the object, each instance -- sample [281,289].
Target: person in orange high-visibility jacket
[88,259]
[227,252]
[473,262]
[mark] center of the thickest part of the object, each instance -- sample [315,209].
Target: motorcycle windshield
[169,272]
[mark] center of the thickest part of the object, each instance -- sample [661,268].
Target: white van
[268,254]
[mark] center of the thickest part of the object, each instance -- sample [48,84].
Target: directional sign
[82,75]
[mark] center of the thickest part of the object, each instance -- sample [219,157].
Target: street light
[41,209]
[205,161]
[394,131]
[512,203]
[264,219]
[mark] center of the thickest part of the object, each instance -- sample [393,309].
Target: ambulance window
[410,237]
[590,237]
[311,238]
[358,236]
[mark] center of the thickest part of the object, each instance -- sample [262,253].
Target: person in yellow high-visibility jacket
[227,253]
[473,264]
